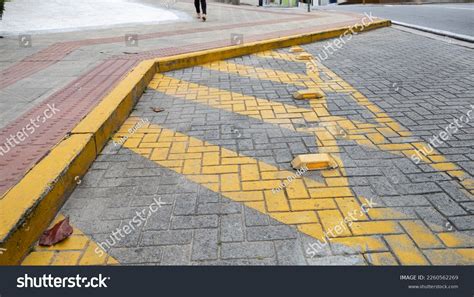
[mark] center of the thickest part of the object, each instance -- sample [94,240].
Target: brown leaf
[58,233]
[157,109]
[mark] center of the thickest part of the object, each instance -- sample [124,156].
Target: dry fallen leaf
[157,109]
[58,233]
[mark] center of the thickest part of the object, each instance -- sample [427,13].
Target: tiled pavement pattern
[230,129]
[78,69]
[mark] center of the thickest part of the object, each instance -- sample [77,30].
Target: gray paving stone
[171,237]
[231,228]
[266,233]
[205,244]
[142,255]
[260,249]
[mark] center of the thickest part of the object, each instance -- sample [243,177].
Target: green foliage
[2,7]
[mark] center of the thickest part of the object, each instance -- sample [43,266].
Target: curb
[462,37]
[28,208]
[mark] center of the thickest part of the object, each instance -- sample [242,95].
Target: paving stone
[172,237]
[266,233]
[205,244]
[260,249]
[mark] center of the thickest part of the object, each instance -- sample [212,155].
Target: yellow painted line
[78,249]
[262,109]
[303,80]
[313,207]
[375,137]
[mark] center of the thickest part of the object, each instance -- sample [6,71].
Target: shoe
[204,17]
[198,15]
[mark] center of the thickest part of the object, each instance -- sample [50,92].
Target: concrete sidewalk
[73,71]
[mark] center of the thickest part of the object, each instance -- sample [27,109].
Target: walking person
[201,4]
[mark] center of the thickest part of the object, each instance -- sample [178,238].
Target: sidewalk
[73,71]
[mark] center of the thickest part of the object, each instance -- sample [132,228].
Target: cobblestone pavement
[74,71]
[214,157]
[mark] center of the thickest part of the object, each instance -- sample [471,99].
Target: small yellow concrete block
[296,49]
[304,56]
[308,94]
[313,162]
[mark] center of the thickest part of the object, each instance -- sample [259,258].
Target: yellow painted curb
[112,111]
[206,56]
[27,209]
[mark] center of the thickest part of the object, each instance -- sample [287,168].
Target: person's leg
[204,10]
[204,6]
[198,9]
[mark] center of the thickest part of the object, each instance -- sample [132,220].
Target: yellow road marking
[374,138]
[296,198]
[313,207]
